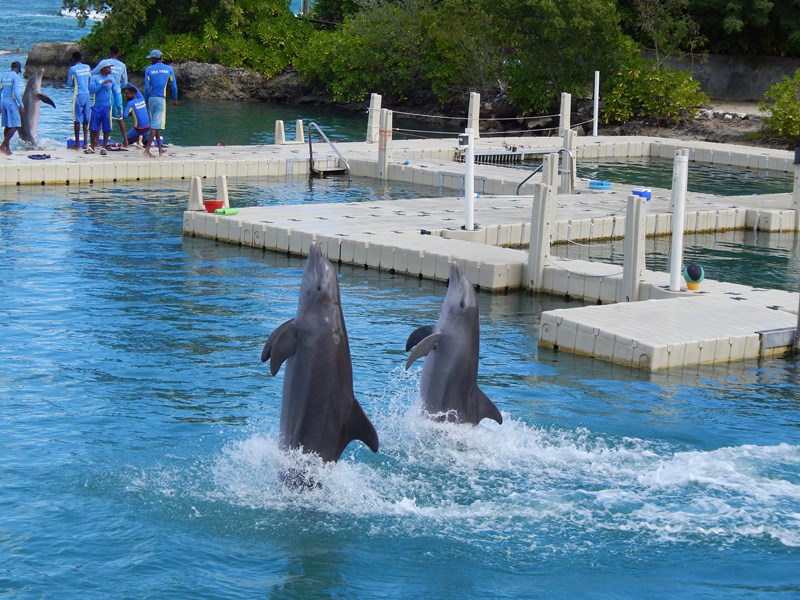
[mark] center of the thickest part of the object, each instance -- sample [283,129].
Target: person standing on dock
[135,107]
[120,73]
[103,86]
[11,104]
[78,79]
[156,79]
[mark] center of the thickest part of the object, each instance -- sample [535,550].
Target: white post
[373,118]
[222,190]
[680,175]
[596,99]
[469,181]
[542,218]
[196,194]
[306,8]
[796,190]
[280,134]
[633,260]
[565,118]
[299,136]
[384,138]
[474,113]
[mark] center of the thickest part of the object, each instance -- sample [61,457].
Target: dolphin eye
[319,288]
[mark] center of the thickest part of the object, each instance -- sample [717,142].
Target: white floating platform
[662,334]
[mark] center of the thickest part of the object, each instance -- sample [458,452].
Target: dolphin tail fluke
[420,333]
[280,345]
[423,348]
[361,428]
[486,408]
[46,100]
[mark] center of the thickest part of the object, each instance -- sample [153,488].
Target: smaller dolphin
[32,100]
[319,411]
[449,388]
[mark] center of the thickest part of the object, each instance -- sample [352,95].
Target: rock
[55,58]
[216,82]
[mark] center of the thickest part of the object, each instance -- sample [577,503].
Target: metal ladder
[325,172]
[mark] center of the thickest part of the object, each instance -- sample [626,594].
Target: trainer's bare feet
[5,151]
[147,154]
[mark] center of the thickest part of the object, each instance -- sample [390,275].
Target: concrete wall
[738,78]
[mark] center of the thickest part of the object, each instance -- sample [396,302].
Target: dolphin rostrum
[32,100]
[449,388]
[319,411]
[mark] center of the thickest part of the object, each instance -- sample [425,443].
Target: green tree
[782,105]
[555,46]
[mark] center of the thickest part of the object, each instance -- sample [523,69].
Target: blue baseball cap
[154,54]
[104,63]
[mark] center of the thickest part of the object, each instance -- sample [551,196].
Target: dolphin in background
[319,412]
[32,100]
[449,387]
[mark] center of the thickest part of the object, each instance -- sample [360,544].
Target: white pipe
[469,181]
[680,174]
[596,102]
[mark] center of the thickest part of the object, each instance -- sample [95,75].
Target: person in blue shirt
[156,79]
[120,73]
[78,78]
[11,104]
[135,107]
[103,86]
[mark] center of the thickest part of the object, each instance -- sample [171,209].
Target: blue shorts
[157,110]
[101,119]
[10,111]
[82,108]
[133,134]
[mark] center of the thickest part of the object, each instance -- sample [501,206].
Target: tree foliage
[782,103]
[644,90]
[261,35]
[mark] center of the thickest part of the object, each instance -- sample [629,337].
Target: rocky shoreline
[726,124]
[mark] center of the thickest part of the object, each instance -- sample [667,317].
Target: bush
[643,90]
[782,103]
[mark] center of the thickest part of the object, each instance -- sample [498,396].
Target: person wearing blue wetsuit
[78,79]
[156,79]
[103,86]
[11,104]
[120,73]
[135,107]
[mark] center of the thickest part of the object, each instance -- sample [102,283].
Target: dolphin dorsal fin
[46,99]
[420,333]
[423,348]
[486,408]
[281,344]
[361,428]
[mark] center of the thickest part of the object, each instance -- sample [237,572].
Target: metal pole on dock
[373,118]
[384,138]
[680,175]
[474,113]
[796,190]
[596,99]
[633,260]
[469,179]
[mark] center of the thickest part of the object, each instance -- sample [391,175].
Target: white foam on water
[537,486]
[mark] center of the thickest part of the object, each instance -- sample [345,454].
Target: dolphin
[32,100]
[449,388]
[319,412]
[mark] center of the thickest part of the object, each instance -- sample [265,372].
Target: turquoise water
[138,431]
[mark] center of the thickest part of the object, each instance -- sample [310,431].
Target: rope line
[550,260]
[455,133]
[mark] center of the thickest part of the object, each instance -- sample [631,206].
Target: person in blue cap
[135,107]
[11,104]
[157,77]
[103,86]
[120,72]
[78,79]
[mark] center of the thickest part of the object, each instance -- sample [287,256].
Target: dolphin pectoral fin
[423,348]
[486,408]
[361,428]
[281,344]
[420,333]
[46,100]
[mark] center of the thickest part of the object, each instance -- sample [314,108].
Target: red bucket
[212,205]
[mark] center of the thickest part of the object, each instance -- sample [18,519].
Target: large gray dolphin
[449,388]
[319,411]
[32,100]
